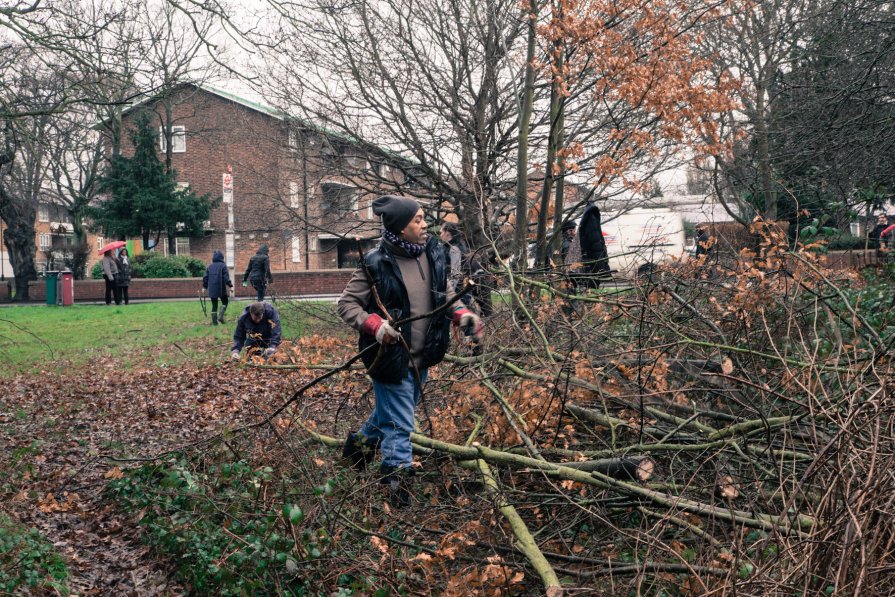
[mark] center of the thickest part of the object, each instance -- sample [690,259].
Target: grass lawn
[37,337]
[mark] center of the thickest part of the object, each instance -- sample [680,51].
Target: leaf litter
[67,435]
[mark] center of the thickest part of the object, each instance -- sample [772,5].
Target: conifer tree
[144,199]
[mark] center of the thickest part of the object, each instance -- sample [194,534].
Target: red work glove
[378,327]
[470,323]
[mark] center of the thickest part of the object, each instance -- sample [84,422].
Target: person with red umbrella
[110,272]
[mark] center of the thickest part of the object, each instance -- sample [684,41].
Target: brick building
[54,237]
[303,191]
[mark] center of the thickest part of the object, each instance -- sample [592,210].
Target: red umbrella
[115,244]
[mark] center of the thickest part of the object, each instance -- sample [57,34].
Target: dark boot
[359,451]
[214,318]
[398,484]
[221,313]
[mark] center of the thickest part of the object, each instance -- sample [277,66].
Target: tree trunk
[762,146]
[80,250]
[543,248]
[559,201]
[19,240]
[524,123]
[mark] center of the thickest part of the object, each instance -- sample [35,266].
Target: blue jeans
[392,419]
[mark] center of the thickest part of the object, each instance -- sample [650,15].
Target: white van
[639,240]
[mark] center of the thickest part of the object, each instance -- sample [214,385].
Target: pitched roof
[279,115]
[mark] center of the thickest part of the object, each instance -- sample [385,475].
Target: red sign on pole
[228,187]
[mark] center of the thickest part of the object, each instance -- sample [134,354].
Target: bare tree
[24,161]
[756,42]
[433,82]
[176,54]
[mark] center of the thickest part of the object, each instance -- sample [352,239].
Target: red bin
[68,289]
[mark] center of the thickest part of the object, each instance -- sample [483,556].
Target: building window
[293,140]
[182,245]
[45,241]
[329,155]
[43,212]
[296,249]
[357,163]
[313,244]
[338,197]
[293,195]
[178,139]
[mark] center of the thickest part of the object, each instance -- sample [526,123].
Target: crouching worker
[411,279]
[258,329]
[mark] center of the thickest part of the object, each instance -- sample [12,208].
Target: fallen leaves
[49,503]
[61,429]
[114,473]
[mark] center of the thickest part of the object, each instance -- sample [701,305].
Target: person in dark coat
[461,265]
[125,272]
[258,272]
[703,242]
[258,329]
[411,279]
[568,237]
[593,247]
[218,285]
[876,235]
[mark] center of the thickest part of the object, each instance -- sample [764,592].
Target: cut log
[633,468]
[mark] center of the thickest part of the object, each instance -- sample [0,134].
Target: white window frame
[43,212]
[179,243]
[313,244]
[45,241]
[293,195]
[296,249]
[178,139]
[293,139]
[359,163]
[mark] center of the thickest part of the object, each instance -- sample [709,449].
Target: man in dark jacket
[593,247]
[703,241]
[258,272]
[410,274]
[568,237]
[217,283]
[876,235]
[257,328]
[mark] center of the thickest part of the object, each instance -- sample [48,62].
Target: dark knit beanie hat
[396,212]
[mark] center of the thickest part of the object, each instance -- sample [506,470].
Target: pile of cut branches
[711,426]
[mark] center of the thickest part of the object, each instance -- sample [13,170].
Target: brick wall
[222,133]
[840,260]
[284,284]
